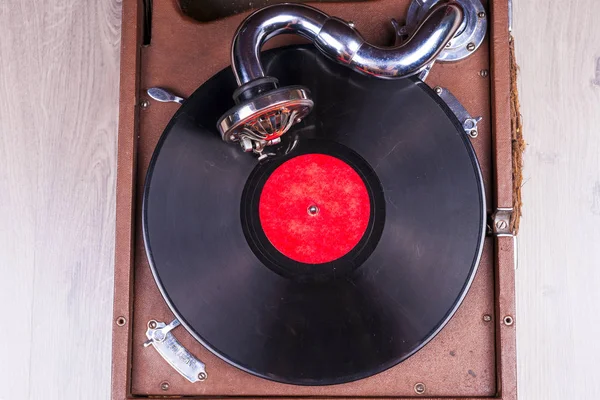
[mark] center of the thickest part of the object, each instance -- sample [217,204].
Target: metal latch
[500,222]
[159,335]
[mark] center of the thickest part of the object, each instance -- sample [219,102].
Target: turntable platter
[379,183]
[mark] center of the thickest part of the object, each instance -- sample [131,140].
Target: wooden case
[470,358]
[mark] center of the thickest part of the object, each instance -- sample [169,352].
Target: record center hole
[313,210]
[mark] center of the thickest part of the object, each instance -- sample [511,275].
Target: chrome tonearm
[263,111]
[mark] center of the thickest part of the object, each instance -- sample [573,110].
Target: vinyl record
[341,255]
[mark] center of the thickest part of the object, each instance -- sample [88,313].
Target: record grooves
[347,318]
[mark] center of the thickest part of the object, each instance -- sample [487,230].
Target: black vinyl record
[346,318]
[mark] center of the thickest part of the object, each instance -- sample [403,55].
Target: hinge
[500,222]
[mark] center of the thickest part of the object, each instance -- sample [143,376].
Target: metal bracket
[159,335]
[469,123]
[501,222]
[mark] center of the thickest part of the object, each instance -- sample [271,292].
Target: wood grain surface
[558,274]
[59,64]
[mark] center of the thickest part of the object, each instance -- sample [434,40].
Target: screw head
[469,123]
[487,318]
[419,388]
[121,321]
[202,376]
[481,14]
[502,224]
[438,90]
[159,336]
[484,73]
[471,46]
[313,210]
[508,320]
[351,24]
[164,385]
[145,104]
[152,324]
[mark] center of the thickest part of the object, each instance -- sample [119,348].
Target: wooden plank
[18,182]
[558,275]
[59,74]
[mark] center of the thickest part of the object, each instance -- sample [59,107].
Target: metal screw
[508,320]
[145,104]
[473,133]
[502,224]
[471,46]
[202,376]
[159,336]
[419,388]
[164,385]
[351,24]
[152,324]
[487,318]
[121,321]
[484,73]
[481,14]
[438,90]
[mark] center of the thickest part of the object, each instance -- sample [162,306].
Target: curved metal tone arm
[340,42]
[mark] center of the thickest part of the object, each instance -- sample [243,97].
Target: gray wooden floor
[59,63]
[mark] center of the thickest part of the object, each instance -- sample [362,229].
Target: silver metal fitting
[501,222]
[161,338]
[164,96]
[339,41]
[419,388]
[467,38]
[264,112]
[469,124]
[260,121]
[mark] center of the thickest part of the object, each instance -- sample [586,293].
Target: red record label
[314,208]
